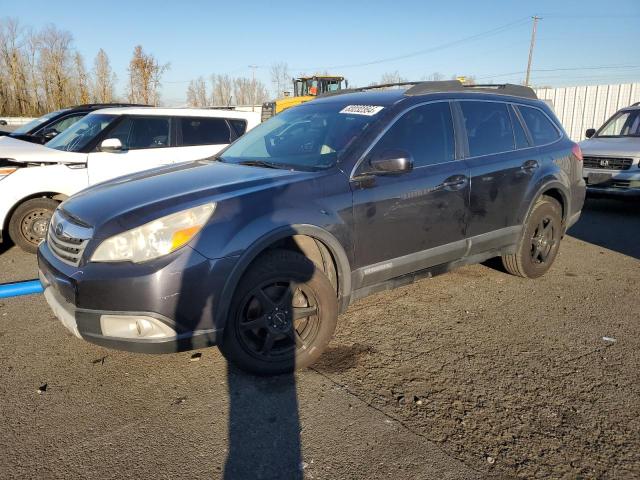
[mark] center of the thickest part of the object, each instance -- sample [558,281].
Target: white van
[105,144]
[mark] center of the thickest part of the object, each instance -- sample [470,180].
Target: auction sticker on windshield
[368,110]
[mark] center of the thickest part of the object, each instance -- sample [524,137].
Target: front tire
[540,241]
[30,221]
[283,315]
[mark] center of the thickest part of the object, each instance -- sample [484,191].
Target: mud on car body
[260,248]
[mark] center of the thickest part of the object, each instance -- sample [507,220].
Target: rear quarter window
[542,130]
[206,131]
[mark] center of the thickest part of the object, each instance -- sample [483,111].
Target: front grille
[67,239]
[608,163]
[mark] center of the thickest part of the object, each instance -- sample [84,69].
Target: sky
[358,39]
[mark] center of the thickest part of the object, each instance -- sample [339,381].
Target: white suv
[103,145]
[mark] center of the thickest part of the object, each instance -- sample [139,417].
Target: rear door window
[540,127]
[488,127]
[206,131]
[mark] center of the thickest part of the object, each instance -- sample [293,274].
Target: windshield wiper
[260,163]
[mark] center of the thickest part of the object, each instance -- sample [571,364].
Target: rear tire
[30,221]
[283,315]
[540,241]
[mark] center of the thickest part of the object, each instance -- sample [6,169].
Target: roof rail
[364,89]
[422,88]
[456,86]
[635,104]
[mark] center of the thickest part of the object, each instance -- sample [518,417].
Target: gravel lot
[472,374]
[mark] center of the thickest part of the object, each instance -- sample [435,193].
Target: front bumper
[180,291]
[613,182]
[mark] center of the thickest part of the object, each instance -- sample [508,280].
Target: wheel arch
[284,237]
[553,189]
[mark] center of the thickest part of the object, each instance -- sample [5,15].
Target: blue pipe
[20,288]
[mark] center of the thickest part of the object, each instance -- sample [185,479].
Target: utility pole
[253,86]
[533,42]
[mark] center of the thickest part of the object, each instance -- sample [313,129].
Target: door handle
[455,182]
[529,166]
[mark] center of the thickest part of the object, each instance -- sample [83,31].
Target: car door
[412,220]
[203,137]
[147,142]
[502,164]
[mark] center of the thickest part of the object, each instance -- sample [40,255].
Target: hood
[612,147]
[27,152]
[133,200]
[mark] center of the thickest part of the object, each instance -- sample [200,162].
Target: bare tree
[81,80]
[242,91]
[249,92]
[145,74]
[103,79]
[221,90]
[280,78]
[15,95]
[55,65]
[392,77]
[197,93]
[434,77]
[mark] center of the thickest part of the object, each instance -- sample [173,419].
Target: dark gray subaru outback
[259,249]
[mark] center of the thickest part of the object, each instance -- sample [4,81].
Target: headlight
[154,239]
[4,171]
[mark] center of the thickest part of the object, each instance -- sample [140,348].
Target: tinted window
[518,131]
[239,126]
[142,132]
[205,131]
[62,125]
[488,127]
[426,132]
[541,129]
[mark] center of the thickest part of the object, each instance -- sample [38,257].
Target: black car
[259,249]
[44,128]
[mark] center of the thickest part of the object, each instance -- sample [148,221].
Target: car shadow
[263,427]
[612,223]
[5,246]
[263,417]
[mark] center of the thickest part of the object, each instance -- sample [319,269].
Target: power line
[477,36]
[565,69]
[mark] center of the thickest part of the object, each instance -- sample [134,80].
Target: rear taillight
[577,151]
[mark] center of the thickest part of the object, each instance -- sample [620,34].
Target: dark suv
[259,249]
[44,128]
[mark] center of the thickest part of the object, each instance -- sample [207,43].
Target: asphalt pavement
[473,374]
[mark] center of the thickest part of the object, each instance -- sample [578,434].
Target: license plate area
[63,286]
[597,178]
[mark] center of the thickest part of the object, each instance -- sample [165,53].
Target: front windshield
[623,124]
[77,137]
[307,137]
[27,127]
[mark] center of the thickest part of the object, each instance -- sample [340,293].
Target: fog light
[133,326]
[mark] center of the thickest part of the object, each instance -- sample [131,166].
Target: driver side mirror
[590,132]
[390,162]
[111,145]
[48,135]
